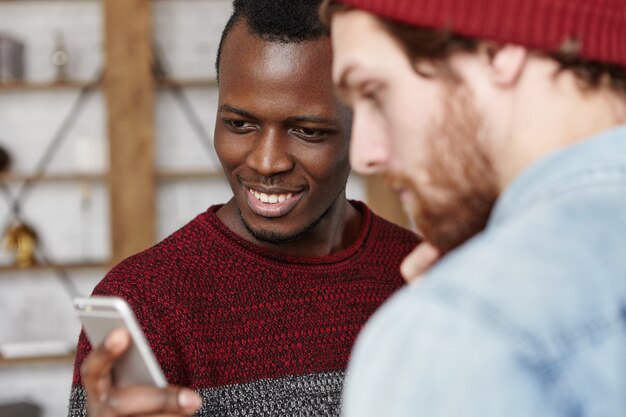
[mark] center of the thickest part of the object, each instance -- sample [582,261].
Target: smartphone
[101,315]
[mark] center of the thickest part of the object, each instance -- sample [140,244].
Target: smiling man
[254,305]
[502,124]
[281,136]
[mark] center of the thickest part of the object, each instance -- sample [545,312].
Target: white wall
[72,218]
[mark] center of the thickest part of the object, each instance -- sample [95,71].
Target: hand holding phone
[105,397]
[100,316]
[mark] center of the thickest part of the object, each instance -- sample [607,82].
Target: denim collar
[557,171]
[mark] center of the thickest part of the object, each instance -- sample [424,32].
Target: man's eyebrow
[342,83]
[341,86]
[294,119]
[231,109]
[311,119]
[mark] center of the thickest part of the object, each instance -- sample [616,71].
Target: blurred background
[107,110]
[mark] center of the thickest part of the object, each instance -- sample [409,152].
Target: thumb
[419,261]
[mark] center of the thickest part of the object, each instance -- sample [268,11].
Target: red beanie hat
[598,25]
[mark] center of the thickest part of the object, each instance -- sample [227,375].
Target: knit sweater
[254,332]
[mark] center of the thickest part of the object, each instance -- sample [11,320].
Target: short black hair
[286,21]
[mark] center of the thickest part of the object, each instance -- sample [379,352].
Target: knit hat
[598,25]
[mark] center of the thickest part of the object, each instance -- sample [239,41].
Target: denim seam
[530,349]
[454,294]
[607,175]
[534,352]
[591,329]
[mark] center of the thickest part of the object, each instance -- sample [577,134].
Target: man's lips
[272,203]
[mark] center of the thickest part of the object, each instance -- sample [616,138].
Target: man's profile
[502,124]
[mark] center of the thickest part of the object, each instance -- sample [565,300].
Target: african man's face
[278,134]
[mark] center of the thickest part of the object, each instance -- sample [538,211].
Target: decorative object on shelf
[11,59]
[5,160]
[21,239]
[60,58]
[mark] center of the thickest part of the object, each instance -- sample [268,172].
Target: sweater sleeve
[130,281]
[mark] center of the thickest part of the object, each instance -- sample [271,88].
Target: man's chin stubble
[267,236]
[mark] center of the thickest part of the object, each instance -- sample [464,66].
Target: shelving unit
[27,360]
[189,175]
[129,91]
[67,85]
[52,267]
[78,177]
[46,86]
[52,177]
[199,82]
[27,138]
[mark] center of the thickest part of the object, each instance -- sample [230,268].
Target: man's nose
[369,147]
[270,154]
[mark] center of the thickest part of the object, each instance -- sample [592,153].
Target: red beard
[462,190]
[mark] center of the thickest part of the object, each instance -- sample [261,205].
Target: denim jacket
[528,318]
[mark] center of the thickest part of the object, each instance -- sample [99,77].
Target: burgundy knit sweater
[255,332]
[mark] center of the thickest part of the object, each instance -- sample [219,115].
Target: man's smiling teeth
[270,198]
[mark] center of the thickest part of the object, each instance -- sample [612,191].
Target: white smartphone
[101,315]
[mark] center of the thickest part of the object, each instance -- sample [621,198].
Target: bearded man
[501,123]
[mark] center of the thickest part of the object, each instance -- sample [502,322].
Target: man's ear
[507,64]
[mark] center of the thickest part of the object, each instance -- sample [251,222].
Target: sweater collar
[355,248]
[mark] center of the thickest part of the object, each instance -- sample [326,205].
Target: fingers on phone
[151,401]
[117,341]
[96,369]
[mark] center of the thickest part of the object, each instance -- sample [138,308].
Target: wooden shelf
[68,358]
[67,177]
[46,1]
[199,82]
[46,86]
[74,266]
[54,177]
[189,175]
